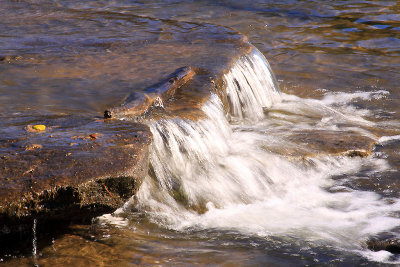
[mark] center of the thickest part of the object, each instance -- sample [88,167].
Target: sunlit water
[225,190]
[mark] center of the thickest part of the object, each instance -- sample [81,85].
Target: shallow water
[243,197]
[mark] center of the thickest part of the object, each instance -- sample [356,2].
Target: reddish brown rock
[137,103]
[57,181]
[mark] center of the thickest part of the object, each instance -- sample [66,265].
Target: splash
[212,174]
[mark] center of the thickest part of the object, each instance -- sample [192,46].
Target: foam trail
[341,97]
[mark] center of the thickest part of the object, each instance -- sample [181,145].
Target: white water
[251,86]
[34,243]
[224,171]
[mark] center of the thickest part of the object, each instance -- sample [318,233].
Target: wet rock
[35,128]
[391,245]
[48,179]
[357,153]
[334,142]
[33,147]
[9,59]
[107,114]
[137,104]
[314,143]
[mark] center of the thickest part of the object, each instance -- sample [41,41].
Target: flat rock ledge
[76,169]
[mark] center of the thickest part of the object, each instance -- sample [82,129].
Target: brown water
[69,57]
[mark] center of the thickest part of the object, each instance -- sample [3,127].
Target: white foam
[255,192]
[384,140]
[381,256]
[320,109]
[343,97]
[113,219]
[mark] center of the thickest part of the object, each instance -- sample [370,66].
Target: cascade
[216,173]
[251,86]
[195,162]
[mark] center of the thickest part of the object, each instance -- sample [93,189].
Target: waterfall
[212,174]
[194,163]
[251,86]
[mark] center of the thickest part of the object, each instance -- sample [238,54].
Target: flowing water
[240,187]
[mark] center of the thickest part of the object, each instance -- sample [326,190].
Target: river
[259,186]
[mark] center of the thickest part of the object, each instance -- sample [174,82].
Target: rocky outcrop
[76,169]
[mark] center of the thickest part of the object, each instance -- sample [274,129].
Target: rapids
[218,173]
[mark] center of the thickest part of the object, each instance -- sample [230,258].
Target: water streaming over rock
[251,86]
[34,242]
[218,174]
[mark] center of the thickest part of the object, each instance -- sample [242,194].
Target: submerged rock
[314,143]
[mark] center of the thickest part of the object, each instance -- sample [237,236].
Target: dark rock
[391,245]
[107,114]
